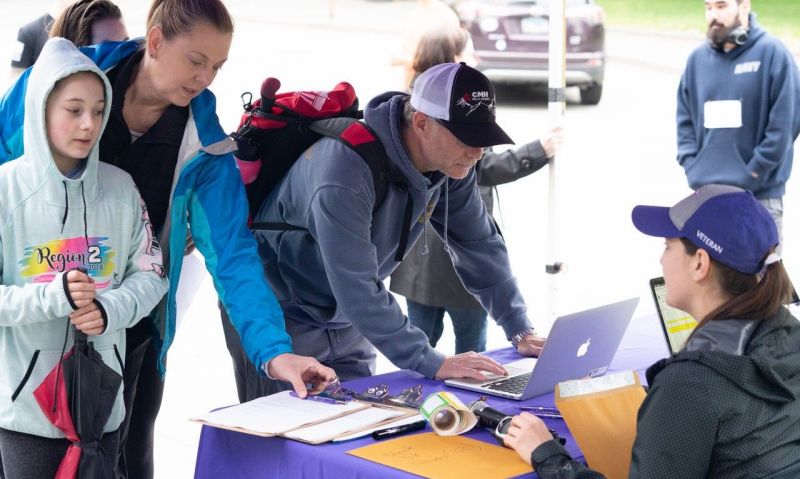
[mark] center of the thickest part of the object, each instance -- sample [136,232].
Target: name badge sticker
[722,114]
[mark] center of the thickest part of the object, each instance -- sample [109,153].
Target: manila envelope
[440,457]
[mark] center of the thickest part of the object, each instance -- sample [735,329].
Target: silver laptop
[579,345]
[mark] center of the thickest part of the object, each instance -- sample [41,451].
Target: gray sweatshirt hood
[58,60]
[388,128]
[384,114]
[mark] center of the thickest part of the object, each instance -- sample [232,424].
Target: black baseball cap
[463,101]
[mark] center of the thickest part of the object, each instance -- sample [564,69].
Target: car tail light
[489,24]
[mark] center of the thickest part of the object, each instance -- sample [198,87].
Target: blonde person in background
[429,17]
[426,277]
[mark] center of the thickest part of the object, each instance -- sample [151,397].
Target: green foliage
[780,17]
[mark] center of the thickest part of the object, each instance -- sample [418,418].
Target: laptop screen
[676,324]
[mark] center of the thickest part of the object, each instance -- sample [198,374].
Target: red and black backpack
[277,128]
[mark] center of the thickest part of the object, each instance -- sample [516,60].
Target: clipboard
[311,422]
[601,415]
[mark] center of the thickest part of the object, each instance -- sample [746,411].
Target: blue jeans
[469,325]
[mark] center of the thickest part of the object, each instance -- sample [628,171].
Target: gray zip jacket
[330,274]
[49,225]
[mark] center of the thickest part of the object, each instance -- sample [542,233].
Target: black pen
[397,430]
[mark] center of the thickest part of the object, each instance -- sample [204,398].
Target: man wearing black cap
[328,276]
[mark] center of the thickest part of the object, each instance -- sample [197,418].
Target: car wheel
[591,94]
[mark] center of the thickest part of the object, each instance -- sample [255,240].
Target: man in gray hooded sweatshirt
[328,275]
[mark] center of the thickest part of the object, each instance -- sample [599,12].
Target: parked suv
[511,41]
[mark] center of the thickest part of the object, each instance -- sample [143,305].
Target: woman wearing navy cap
[728,404]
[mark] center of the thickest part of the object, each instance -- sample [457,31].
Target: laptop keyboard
[515,385]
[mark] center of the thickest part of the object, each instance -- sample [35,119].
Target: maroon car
[511,41]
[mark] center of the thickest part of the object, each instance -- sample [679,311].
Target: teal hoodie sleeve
[218,222]
[144,283]
[12,115]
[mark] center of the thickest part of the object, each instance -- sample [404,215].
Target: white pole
[555,109]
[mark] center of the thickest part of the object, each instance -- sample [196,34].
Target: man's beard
[718,37]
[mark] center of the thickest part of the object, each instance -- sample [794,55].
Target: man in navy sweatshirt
[328,276]
[739,107]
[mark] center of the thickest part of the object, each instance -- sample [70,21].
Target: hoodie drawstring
[85,223]
[406,227]
[446,212]
[66,206]
[425,249]
[66,331]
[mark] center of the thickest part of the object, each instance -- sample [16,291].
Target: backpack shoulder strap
[359,137]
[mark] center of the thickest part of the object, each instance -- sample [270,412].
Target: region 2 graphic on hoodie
[51,224]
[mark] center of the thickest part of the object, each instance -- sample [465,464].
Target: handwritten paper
[276,414]
[445,457]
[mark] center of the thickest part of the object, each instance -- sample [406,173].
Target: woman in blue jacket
[163,131]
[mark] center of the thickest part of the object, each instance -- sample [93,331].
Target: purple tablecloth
[229,454]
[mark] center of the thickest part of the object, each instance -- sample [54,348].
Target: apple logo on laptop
[583,348]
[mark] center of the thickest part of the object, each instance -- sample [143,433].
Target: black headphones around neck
[738,36]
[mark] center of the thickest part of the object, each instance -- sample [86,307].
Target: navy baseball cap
[727,222]
[463,101]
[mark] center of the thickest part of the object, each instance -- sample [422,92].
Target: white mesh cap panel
[433,90]
[681,212]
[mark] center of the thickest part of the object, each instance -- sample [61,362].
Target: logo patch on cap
[475,100]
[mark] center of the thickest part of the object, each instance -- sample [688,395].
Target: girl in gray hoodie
[76,247]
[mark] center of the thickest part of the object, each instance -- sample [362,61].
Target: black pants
[344,350]
[249,384]
[35,457]
[144,390]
